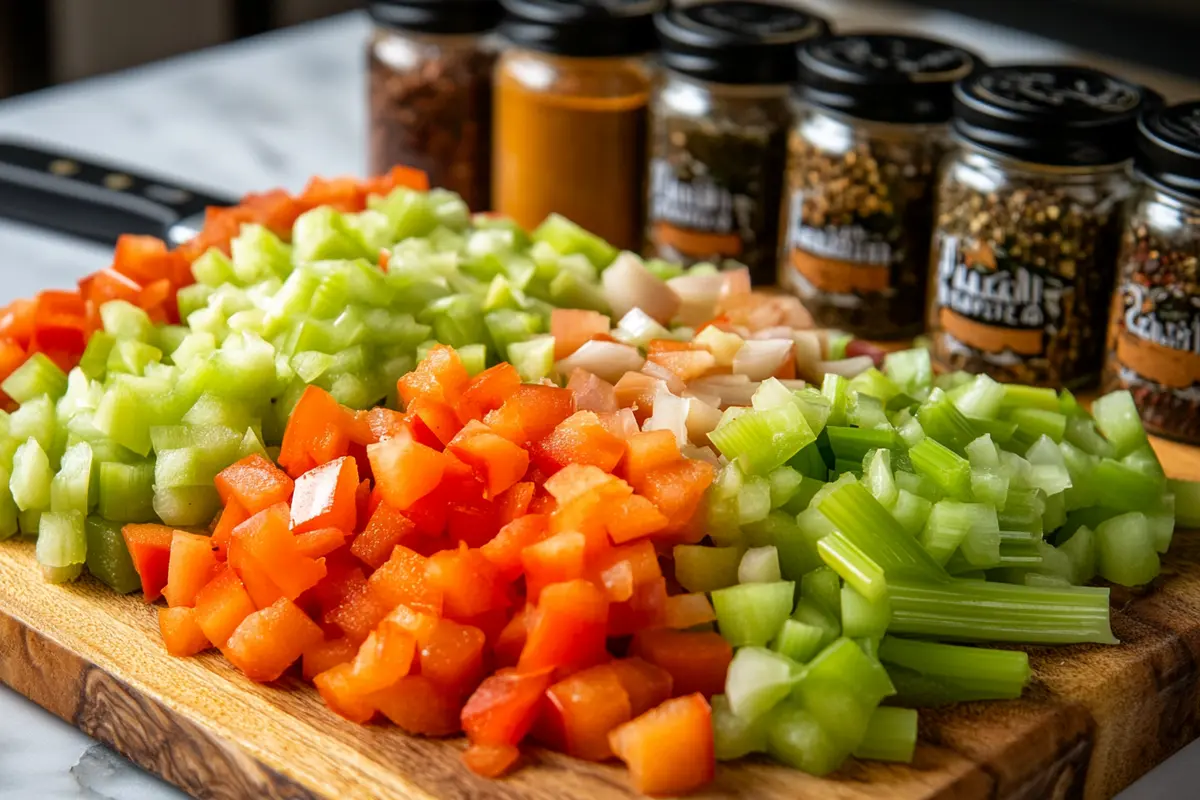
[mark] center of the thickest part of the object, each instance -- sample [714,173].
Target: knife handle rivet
[118,181]
[63,167]
[171,195]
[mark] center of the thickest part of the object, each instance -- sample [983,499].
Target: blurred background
[47,42]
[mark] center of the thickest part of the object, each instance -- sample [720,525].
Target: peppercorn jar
[571,102]
[719,119]
[1030,210]
[430,91]
[1154,338]
[871,117]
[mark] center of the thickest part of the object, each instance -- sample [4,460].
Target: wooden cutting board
[1094,720]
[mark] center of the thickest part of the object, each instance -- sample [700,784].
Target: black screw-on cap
[883,77]
[733,41]
[583,28]
[1169,147]
[1058,115]
[437,16]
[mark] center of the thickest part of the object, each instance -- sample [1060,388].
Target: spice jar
[718,132]
[1029,217]
[871,127]
[1154,339]
[570,123]
[430,91]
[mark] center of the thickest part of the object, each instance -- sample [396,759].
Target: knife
[78,196]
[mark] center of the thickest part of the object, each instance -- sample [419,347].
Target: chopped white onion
[707,397]
[735,281]
[759,359]
[847,367]
[701,454]
[608,360]
[702,419]
[665,375]
[809,351]
[625,422]
[670,414]
[774,332]
[629,285]
[729,393]
[592,393]
[637,327]
[698,295]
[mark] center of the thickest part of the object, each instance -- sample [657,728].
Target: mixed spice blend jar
[430,91]
[1029,218]
[870,130]
[571,107]
[718,132]
[1154,341]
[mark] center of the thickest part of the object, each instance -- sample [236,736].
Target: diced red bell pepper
[267,539]
[385,657]
[181,635]
[580,439]
[337,689]
[560,558]
[254,575]
[384,424]
[685,611]
[514,503]
[440,376]
[270,640]
[576,480]
[452,657]
[698,662]
[405,471]
[531,413]
[634,517]
[191,566]
[146,259]
[358,611]
[506,650]
[646,684]
[505,548]
[222,605]
[568,628]
[420,707]
[403,579]
[255,483]
[648,451]
[645,610]
[16,322]
[669,749]
[571,328]
[504,707]
[495,460]
[488,390]
[232,516]
[584,708]
[678,489]
[432,422]
[326,655]
[386,528]
[491,760]
[321,542]
[418,624]
[149,547]
[469,583]
[325,497]
[316,433]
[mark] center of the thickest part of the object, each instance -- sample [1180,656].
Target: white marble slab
[270,112]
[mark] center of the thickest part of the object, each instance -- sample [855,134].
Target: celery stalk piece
[878,477]
[866,411]
[1049,468]
[891,735]
[948,470]
[94,361]
[1187,502]
[941,420]
[754,501]
[1144,460]
[1035,422]
[761,441]
[752,613]
[8,508]
[1080,550]
[31,477]
[814,615]
[1125,549]
[795,738]
[705,569]
[1125,489]
[533,358]
[911,511]
[928,673]
[324,234]
[874,383]
[835,388]
[1118,419]
[734,736]
[823,587]
[61,545]
[108,557]
[981,398]
[799,641]
[758,680]
[759,565]
[795,543]
[1001,430]
[866,524]
[567,238]
[862,617]
[843,662]
[912,370]
[126,492]
[948,525]
[1082,432]
[123,320]
[28,522]
[186,506]
[918,485]
[853,565]
[122,417]
[36,377]
[969,610]
[853,444]
[35,419]
[1018,396]
[784,483]
[70,488]
[1020,549]
[1023,511]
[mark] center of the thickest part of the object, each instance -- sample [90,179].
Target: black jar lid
[883,77]
[584,28]
[437,16]
[1058,115]
[733,41]
[1169,147]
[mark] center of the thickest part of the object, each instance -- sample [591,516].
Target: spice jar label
[1157,340]
[843,260]
[991,307]
[697,220]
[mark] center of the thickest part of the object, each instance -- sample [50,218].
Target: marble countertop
[268,112]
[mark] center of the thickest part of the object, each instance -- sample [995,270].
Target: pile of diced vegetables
[528,488]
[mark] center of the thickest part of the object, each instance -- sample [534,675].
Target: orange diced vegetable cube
[269,641]
[669,749]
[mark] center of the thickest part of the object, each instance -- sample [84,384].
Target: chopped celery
[759,565]
[795,543]
[62,543]
[761,441]
[752,613]
[1187,502]
[947,527]
[981,398]
[94,360]
[877,475]
[866,411]
[1125,549]
[817,617]
[911,511]
[866,524]
[1017,396]
[799,641]
[853,444]
[835,388]
[123,320]
[35,419]
[863,617]
[31,477]
[1035,422]
[797,739]
[185,506]
[1080,550]
[126,492]
[1118,419]
[927,673]
[941,420]
[784,483]
[705,569]
[758,679]
[108,557]
[874,383]
[891,735]
[853,565]
[918,485]
[122,416]
[754,501]
[971,610]
[567,238]
[533,358]
[948,470]
[843,662]
[324,234]
[911,369]
[823,586]
[36,377]
[1124,488]
[1082,432]
[734,736]
[8,508]
[70,487]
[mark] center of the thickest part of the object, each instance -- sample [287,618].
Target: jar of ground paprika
[870,129]
[430,91]
[1154,340]
[570,126]
[719,120]
[1031,206]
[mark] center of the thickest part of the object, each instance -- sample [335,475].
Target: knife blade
[82,197]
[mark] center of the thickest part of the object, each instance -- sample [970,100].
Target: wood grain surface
[1094,720]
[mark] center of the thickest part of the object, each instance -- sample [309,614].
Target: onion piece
[623,423]
[774,332]
[810,351]
[670,414]
[592,393]
[730,394]
[629,285]
[847,367]
[702,419]
[698,295]
[701,454]
[759,359]
[705,397]
[661,373]
[735,282]
[639,328]
[608,360]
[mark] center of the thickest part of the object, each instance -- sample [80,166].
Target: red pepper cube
[325,497]
[254,483]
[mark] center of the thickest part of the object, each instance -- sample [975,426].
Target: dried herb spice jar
[430,91]
[1154,339]
[1029,218]
[719,120]
[571,106]
[870,128]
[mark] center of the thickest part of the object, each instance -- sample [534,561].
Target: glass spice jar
[430,91]
[571,106]
[1154,338]
[719,119]
[870,130]
[1029,217]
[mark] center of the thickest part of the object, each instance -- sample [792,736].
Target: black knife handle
[77,196]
